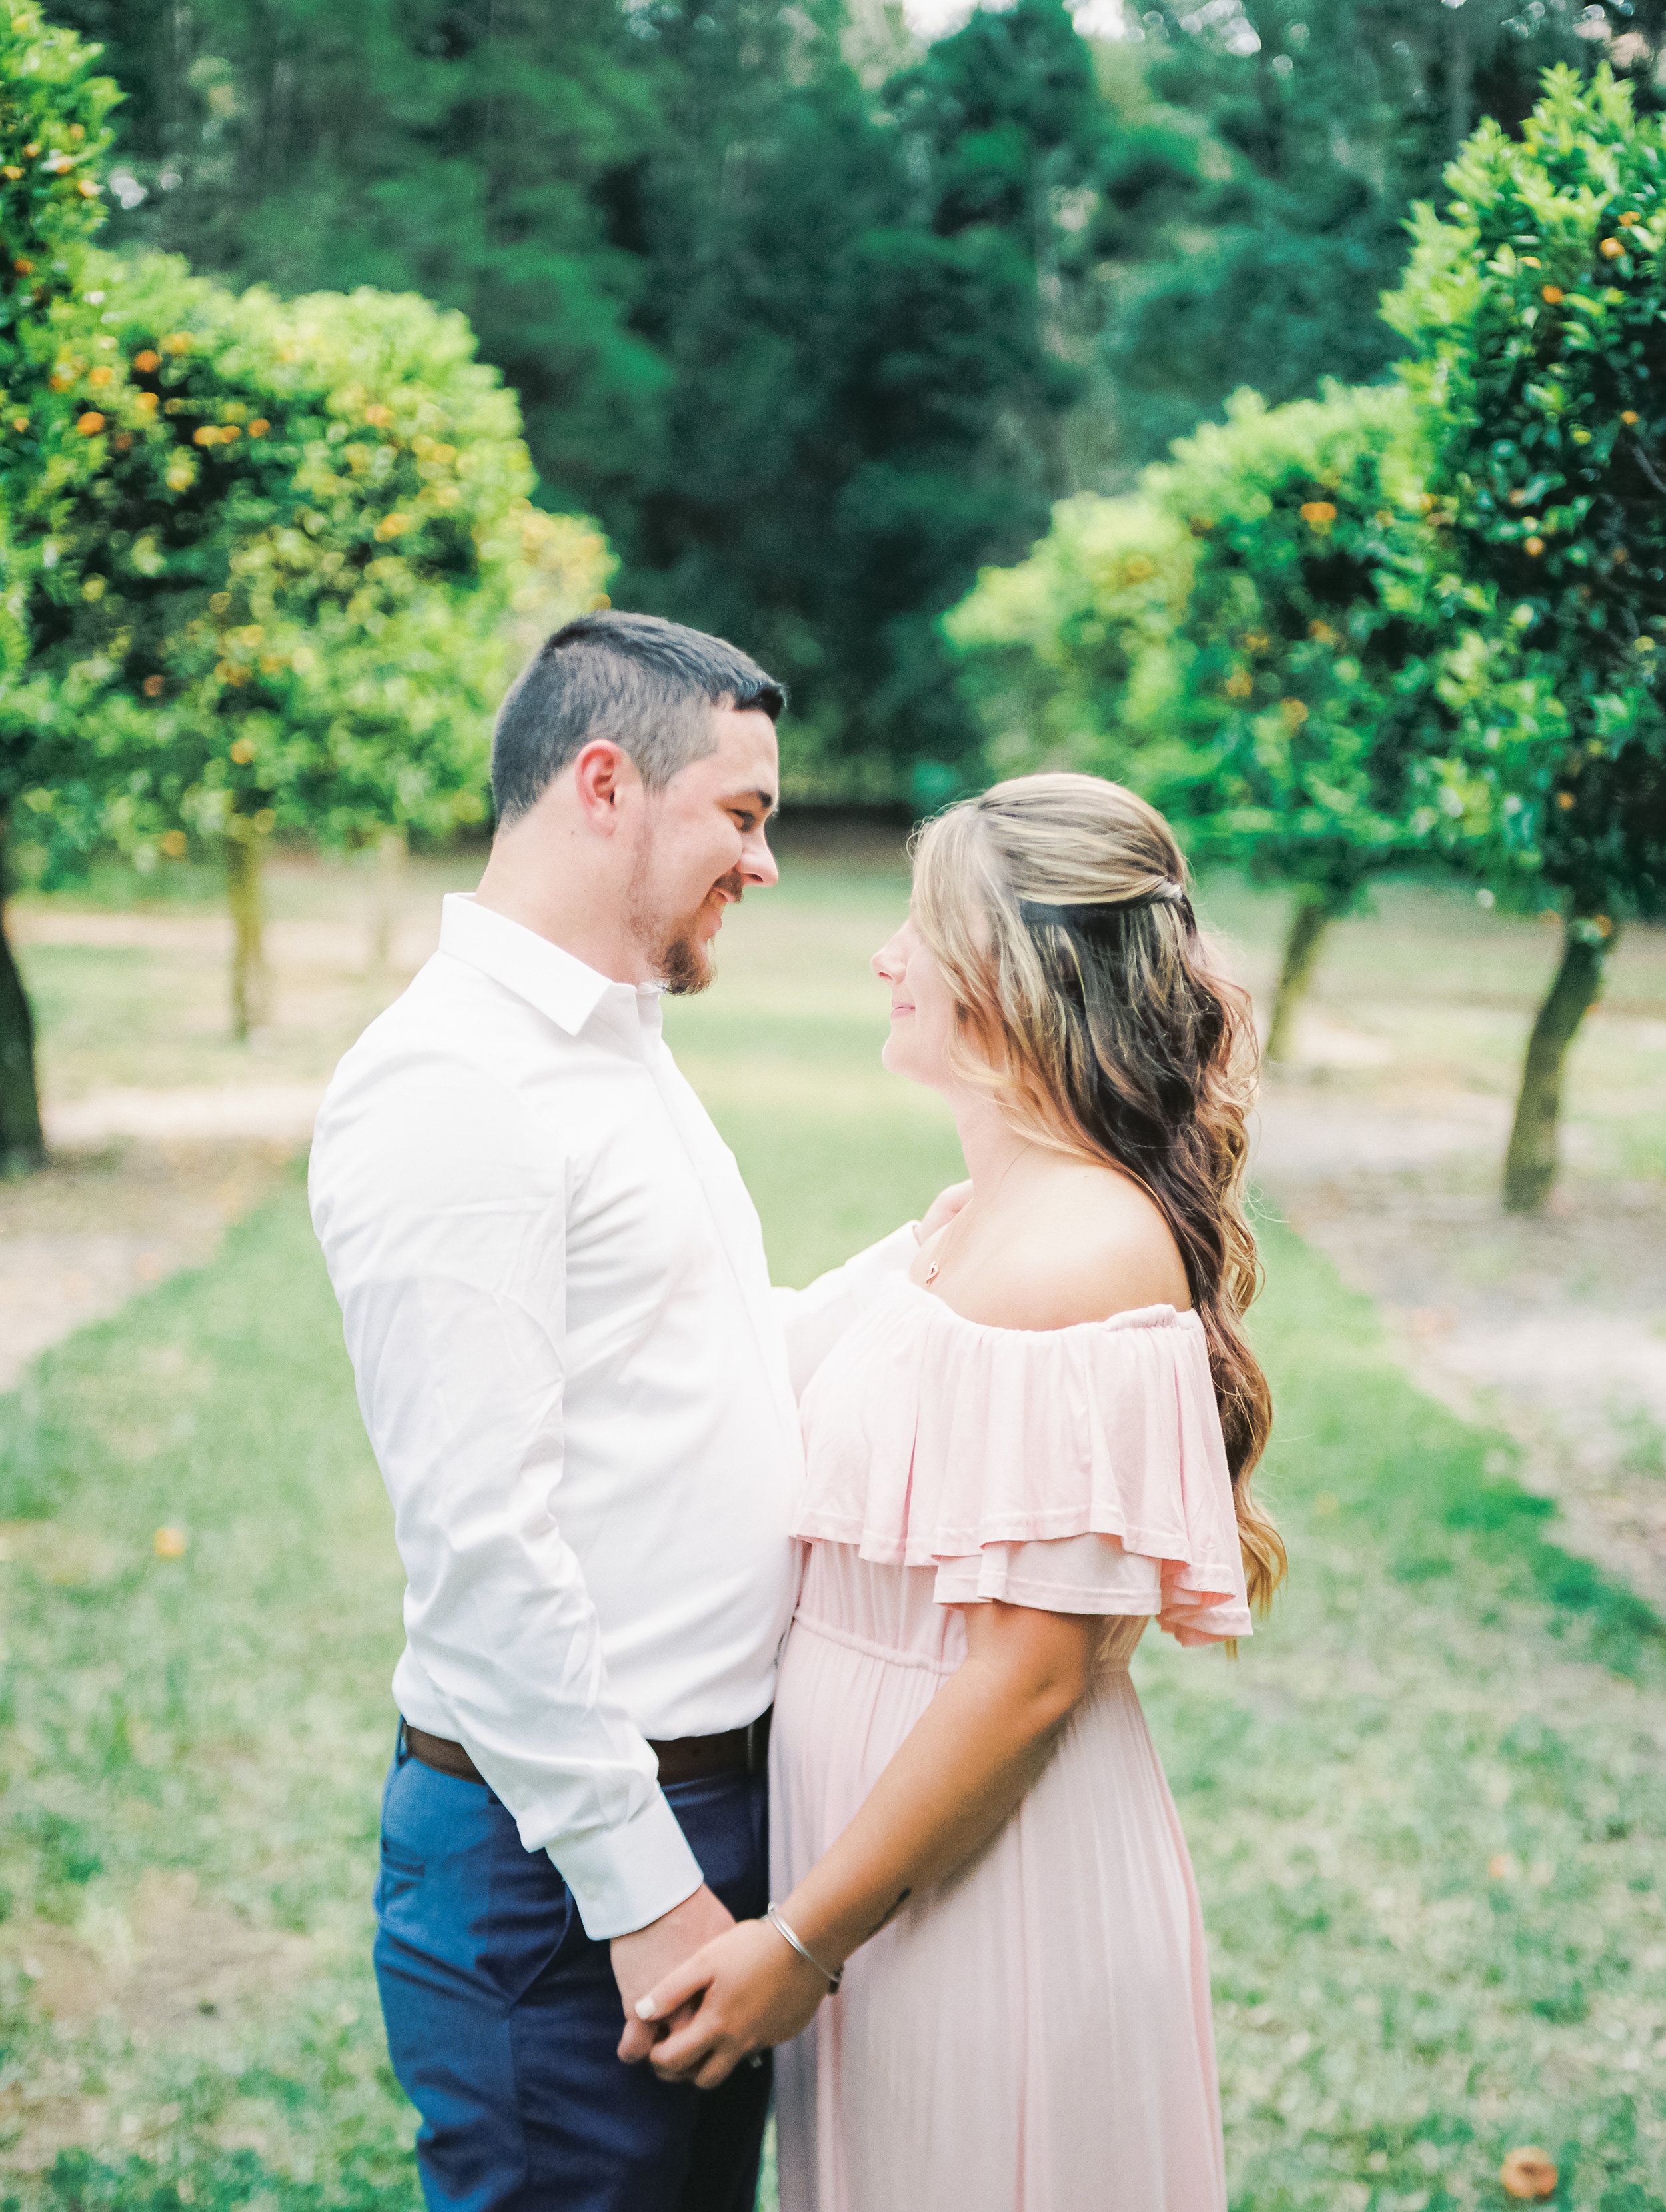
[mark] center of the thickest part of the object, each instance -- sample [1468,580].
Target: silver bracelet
[782,1930]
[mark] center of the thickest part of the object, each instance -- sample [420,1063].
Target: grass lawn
[1426,1805]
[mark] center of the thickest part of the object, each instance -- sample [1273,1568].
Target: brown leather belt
[684,1758]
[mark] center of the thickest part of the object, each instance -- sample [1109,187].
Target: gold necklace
[935,1267]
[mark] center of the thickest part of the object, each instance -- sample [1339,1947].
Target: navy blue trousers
[503,2017]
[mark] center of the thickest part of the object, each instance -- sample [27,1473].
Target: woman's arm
[963,1768]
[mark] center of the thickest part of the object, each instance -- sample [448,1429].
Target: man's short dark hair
[648,686]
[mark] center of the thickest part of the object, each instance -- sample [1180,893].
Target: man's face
[703,843]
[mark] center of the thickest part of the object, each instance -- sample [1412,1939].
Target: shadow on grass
[1409,1481]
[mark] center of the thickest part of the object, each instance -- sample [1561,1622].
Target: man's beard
[681,961]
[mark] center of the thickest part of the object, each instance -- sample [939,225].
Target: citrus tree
[1536,309]
[1267,641]
[286,596]
[53,134]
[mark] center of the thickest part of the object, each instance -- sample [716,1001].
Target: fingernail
[644,2008]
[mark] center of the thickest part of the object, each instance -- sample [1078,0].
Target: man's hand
[944,1208]
[748,1991]
[648,1955]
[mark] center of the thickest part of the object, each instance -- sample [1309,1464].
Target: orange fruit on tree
[1529,2173]
[1551,292]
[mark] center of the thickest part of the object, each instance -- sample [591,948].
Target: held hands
[653,1953]
[944,1208]
[744,1992]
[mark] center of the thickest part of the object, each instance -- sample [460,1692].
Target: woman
[1016,1456]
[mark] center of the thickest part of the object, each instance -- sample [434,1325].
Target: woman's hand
[751,1990]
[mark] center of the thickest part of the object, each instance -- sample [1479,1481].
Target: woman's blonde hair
[1087,1005]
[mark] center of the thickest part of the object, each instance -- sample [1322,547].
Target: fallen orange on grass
[169,1543]
[1529,2171]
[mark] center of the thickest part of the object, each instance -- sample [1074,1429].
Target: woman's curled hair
[1058,910]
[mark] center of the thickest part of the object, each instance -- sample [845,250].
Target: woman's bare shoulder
[1094,1244]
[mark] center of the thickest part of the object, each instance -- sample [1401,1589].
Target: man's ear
[602,774]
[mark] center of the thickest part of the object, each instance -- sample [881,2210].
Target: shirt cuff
[622,1878]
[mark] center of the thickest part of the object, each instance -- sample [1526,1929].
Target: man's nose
[757,862]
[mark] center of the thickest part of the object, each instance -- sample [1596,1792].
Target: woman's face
[921,1010]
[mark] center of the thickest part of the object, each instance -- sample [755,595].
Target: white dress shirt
[577,1386]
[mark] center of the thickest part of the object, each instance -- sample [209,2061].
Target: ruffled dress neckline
[931,1438]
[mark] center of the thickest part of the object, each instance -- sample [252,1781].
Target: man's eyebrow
[767,801]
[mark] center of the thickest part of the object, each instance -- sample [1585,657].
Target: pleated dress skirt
[1035,2035]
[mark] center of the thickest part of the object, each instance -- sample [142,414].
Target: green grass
[1426,1805]
[219,1720]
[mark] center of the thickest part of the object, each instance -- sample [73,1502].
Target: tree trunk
[22,1147]
[1529,1165]
[1460,78]
[391,856]
[251,986]
[1312,916]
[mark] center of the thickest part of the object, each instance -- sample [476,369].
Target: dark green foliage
[52,133]
[851,310]
[52,138]
[279,592]
[1260,640]
[482,157]
[1324,120]
[1537,310]
[804,352]
[1306,664]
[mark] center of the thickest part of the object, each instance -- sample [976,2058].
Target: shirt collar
[534,968]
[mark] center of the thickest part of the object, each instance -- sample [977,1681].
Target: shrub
[1265,641]
[286,594]
[1537,310]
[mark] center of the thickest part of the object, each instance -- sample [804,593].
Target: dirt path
[105,1221]
[1552,1329]
[146,1172]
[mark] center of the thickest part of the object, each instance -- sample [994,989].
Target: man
[555,1299]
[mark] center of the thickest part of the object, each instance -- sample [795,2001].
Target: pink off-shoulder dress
[1034,2036]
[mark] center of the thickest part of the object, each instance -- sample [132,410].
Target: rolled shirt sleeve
[446,1244]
